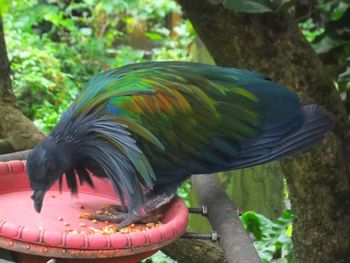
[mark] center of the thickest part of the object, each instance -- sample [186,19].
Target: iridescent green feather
[177,107]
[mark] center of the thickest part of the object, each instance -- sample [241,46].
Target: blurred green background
[54,47]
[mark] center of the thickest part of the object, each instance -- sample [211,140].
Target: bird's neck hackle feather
[98,140]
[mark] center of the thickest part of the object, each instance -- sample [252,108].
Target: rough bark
[6,94]
[318,180]
[16,131]
[194,251]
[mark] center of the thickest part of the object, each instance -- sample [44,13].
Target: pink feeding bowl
[38,237]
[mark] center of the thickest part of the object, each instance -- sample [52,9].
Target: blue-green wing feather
[188,118]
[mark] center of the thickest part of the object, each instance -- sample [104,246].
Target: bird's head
[45,164]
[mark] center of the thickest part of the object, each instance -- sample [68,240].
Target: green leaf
[345,76]
[86,31]
[328,43]
[246,6]
[283,4]
[270,237]
[256,224]
[5,5]
[154,36]
[339,11]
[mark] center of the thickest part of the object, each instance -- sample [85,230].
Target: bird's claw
[110,213]
[137,218]
[111,218]
[120,216]
[115,209]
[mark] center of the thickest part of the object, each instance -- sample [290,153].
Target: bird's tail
[316,123]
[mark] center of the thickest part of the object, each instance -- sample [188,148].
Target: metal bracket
[202,211]
[213,236]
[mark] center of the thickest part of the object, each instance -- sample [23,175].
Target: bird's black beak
[38,198]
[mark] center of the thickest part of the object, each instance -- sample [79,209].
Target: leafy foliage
[56,46]
[184,191]
[310,30]
[272,239]
[159,257]
[61,45]
[327,29]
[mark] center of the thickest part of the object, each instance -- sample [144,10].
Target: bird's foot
[139,217]
[115,209]
[122,217]
[150,212]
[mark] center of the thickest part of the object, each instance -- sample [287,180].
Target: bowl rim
[137,242]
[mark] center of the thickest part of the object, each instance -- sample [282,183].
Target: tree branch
[223,217]
[22,155]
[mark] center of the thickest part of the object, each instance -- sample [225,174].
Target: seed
[66,224]
[53,196]
[73,231]
[95,230]
[82,224]
[60,219]
[84,215]
[94,221]
[82,207]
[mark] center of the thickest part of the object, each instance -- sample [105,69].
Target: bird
[149,126]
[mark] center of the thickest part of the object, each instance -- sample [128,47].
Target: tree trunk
[6,94]
[16,131]
[318,180]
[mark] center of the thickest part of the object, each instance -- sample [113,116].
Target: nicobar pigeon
[149,126]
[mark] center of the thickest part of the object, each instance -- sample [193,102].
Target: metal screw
[213,236]
[203,210]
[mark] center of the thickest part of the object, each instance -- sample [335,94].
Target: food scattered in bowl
[105,228]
